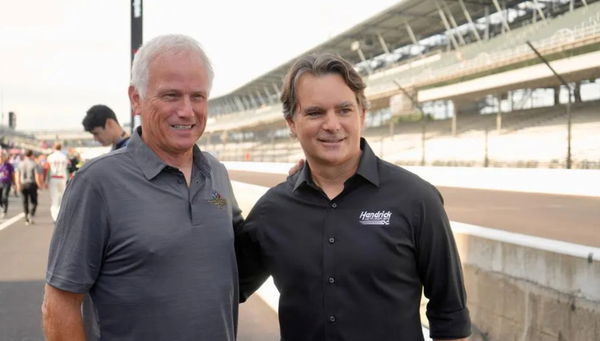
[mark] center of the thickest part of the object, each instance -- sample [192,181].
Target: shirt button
[331,280]
[334,205]
[331,240]
[179,181]
[331,318]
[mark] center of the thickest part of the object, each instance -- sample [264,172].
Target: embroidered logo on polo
[217,200]
[375,218]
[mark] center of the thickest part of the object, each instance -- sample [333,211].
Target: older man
[152,246]
[350,240]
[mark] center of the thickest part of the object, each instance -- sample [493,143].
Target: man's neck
[118,138]
[331,178]
[182,161]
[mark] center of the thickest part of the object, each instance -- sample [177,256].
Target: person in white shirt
[57,178]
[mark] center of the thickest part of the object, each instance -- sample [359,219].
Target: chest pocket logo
[217,200]
[375,218]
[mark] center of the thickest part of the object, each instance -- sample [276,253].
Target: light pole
[563,82]
[137,18]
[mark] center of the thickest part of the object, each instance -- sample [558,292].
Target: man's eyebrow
[166,90]
[344,105]
[312,109]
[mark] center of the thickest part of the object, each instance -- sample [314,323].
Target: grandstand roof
[422,16]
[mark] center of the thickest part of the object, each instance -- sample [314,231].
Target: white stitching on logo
[375,218]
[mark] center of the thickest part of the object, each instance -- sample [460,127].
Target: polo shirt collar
[367,167]
[151,164]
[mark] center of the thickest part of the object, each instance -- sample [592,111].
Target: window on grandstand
[590,90]
[439,110]
[377,118]
[281,133]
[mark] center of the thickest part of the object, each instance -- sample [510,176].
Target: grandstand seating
[528,138]
[534,137]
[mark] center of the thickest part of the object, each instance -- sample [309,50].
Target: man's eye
[313,113]
[169,96]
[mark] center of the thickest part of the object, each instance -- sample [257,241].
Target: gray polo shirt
[156,256]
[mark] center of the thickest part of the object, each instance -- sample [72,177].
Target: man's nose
[187,108]
[332,121]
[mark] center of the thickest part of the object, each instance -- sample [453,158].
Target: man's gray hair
[161,45]
[319,65]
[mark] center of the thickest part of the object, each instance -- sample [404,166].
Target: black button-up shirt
[353,268]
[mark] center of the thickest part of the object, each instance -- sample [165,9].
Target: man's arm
[39,180]
[18,181]
[440,270]
[465,339]
[61,315]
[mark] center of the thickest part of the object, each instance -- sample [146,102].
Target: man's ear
[135,100]
[110,123]
[291,125]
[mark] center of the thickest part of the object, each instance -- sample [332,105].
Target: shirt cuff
[66,285]
[449,325]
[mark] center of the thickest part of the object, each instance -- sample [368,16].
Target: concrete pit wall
[519,287]
[517,291]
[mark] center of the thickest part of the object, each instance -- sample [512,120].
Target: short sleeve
[78,244]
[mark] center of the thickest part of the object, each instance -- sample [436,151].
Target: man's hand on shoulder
[295,168]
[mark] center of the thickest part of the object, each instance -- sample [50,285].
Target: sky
[58,58]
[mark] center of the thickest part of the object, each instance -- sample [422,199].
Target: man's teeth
[179,126]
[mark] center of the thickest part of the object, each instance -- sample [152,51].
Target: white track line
[11,221]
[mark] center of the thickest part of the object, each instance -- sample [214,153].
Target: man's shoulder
[213,163]
[280,192]
[400,177]
[106,164]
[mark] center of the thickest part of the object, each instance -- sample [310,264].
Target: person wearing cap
[351,240]
[102,123]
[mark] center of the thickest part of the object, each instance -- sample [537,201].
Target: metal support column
[502,16]
[539,9]
[447,26]
[563,82]
[461,40]
[471,23]
[383,44]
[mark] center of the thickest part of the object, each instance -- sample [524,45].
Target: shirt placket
[329,278]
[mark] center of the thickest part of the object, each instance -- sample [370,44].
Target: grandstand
[479,95]
[11,139]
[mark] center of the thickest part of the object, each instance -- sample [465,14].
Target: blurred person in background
[58,175]
[7,179]
[102,123]
[351,240]
[75,161]
[14,160]
[42,161]
[29,179]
